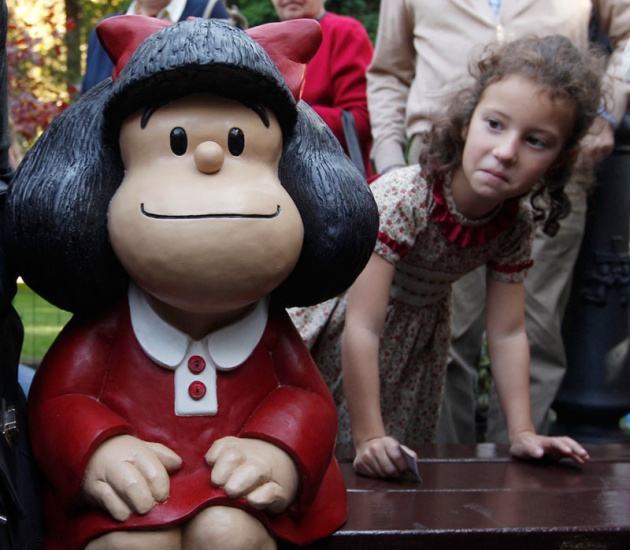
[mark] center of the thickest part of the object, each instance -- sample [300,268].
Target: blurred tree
[365,11]
[73,40]
[257,11]
[36,59]
[46,44]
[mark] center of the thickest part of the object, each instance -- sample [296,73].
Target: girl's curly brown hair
[565,72]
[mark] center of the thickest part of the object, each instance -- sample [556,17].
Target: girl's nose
[506,151]
[209,157]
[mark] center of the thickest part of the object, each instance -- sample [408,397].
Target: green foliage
[42,323]
[256,11]
[92,11]
[366,11]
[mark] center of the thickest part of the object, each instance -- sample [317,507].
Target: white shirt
[496,6]
[172,12]
[195,362]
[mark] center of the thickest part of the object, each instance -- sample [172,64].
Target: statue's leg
[225,528]
[138,540]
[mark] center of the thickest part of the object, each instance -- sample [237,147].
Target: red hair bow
[290,44]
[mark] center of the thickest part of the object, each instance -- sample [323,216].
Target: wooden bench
[478,497]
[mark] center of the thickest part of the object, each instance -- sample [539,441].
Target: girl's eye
[494,124]
[536,142]
[236,141]
[179,141]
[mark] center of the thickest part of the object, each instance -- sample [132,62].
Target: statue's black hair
[56,216]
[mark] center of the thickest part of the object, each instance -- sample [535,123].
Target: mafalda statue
[176,210]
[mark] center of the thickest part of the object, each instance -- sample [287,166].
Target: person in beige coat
[421,58]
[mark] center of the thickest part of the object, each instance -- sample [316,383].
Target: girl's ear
[465,132]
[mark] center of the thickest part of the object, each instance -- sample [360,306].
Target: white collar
[228,347]
[172,12]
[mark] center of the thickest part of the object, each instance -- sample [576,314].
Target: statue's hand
[262,473]
[127,475]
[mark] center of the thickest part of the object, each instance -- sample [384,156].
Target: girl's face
[296,9]
[201,221]
[514,138]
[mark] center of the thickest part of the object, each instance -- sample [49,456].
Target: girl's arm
[509,356]
[377,454]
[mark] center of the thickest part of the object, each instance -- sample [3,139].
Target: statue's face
[201,221]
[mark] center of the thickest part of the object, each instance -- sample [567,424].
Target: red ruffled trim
[462,235]
[393,245]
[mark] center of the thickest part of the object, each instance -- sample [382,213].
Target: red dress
[96,382]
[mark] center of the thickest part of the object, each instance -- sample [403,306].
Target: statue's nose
[209,157]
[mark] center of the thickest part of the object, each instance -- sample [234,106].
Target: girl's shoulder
[403,203]
[402,184]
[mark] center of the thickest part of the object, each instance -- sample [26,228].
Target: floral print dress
[431,245]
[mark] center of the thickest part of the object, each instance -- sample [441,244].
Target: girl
[176,210]
[508,144]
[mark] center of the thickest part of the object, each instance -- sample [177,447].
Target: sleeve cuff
[612,119]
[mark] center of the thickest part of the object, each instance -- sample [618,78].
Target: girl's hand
[381,457]
[262,473]
[530,445]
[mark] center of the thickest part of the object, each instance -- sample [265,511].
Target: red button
[197,390]
[196,364]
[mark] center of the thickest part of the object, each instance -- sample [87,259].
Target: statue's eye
[179,141]
[236,141]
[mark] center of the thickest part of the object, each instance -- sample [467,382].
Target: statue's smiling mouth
[207,216]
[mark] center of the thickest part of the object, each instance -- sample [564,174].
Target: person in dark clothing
[20,517]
